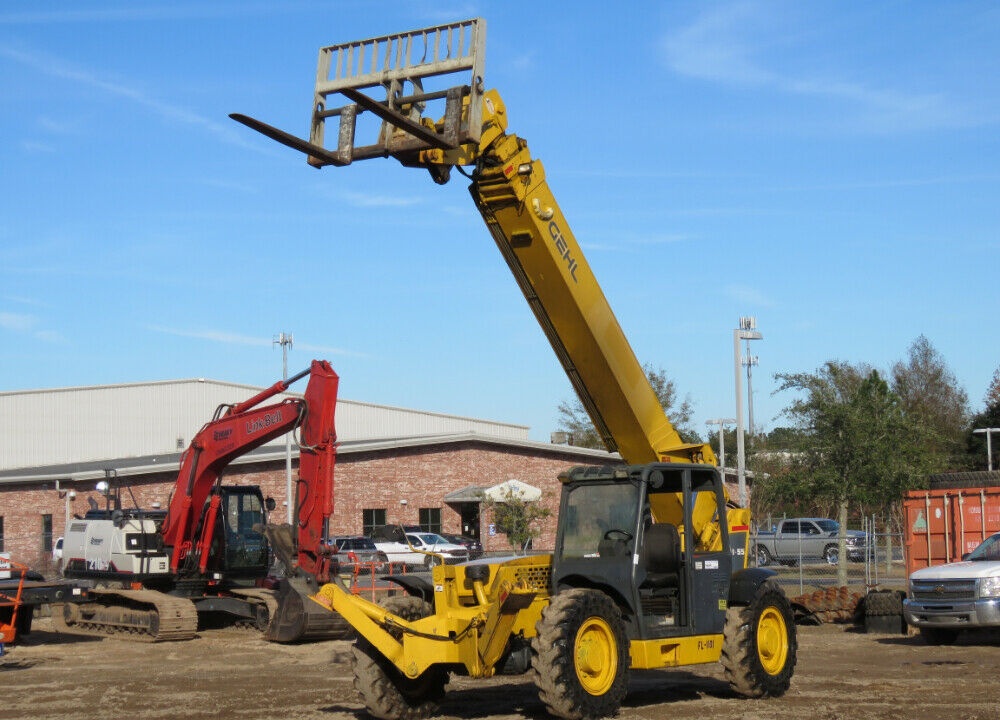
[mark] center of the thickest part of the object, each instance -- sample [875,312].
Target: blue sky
[830,168]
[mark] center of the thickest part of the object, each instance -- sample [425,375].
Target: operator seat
[661,556]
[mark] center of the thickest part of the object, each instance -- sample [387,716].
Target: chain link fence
[874,560]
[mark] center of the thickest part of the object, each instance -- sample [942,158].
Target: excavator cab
[240,549]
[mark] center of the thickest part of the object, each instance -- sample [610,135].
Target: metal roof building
[81,425]
[393,464]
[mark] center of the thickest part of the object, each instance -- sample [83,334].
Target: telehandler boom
[649,567]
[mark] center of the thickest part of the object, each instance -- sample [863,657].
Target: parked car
[474,547]
[945,599]
[357,553]
[808,540]
[414,548]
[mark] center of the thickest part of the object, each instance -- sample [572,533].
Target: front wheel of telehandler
[759,650]
[385,691]
[580,655]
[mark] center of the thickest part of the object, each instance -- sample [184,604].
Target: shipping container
[958,512]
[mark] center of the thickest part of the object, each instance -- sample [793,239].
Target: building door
[470,519]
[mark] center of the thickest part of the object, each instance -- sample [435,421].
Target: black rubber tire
[387,693]
[975,479]
[831,554]
[883,602]
[745,665]
[559,647]
[938,636]
[761,556]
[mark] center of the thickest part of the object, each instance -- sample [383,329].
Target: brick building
[393,464]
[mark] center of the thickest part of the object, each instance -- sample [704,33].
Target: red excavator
[211,551]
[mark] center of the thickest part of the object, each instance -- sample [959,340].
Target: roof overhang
[170,462]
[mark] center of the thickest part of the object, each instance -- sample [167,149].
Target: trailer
[22,590]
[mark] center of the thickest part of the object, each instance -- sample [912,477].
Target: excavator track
[266,604]
[138,615]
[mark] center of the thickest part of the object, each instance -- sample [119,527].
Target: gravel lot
[841,673]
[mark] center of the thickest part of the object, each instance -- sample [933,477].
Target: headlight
[989,587]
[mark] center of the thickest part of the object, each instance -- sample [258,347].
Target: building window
[371,518]
[46,533]
[1,533]
[430,519]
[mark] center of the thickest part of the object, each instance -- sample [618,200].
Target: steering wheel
[616,534]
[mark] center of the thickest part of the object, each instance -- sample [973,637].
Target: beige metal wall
[51,427]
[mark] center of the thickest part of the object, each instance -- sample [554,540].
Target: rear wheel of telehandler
[580,655]
[387,693]
[759,650]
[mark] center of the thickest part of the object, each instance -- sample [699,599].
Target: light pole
[721,422]
[285,340]
[988,432]
[746,331]
[750,361]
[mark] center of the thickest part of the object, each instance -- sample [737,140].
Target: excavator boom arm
[239,429]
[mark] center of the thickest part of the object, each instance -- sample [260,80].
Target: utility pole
[722,422]
[989,445]
[285,340]
[746,331]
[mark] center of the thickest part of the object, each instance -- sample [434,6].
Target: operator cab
[623,531]
[244,551]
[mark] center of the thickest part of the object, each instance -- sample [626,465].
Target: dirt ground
[841,673]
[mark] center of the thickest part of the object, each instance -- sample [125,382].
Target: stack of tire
[884,612]
[827,605]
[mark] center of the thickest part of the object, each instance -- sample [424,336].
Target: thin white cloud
[633,242]
[730,44]
[748,296]
[327,350]
[17,322]
[55,67]
[138,13]
[219,336]
[24,324]
[230,338]
[370,201]
[33,147]
[21,300]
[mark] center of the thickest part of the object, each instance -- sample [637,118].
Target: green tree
[516,517]
[934,403]
[993,391]
[777,489]
[989,418]
[860,450]
[573,418]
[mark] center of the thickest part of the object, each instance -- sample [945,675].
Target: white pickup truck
[945,599]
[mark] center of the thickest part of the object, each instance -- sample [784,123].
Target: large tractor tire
[580,655]
[386,692]
[759,650]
